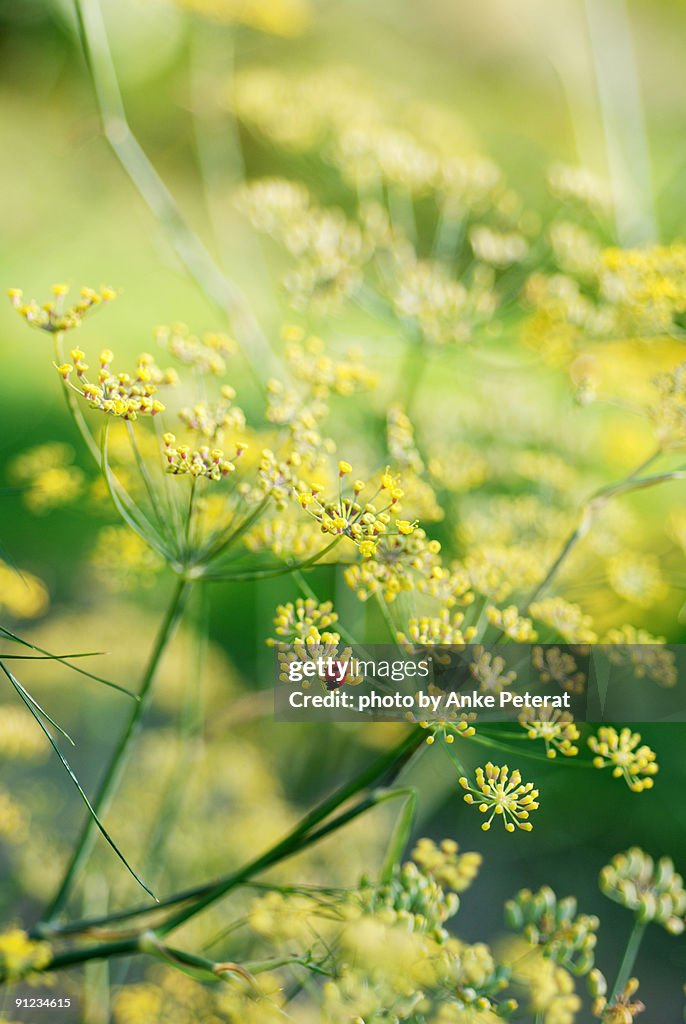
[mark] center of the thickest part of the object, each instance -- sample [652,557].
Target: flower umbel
[621,752]
[52,316]
[653,890]
[504,795]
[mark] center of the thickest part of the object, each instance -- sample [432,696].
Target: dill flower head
[645,286]
[490,671]
[557,666]
[553,924]
[636,577]
[441,629]
[565,618]
[22,595]
[548,985]
[323,374]
[442,309]
[20,956]
[123,561]
[401,563]
[555,728]
[52,316]
[623,1009]
[363,523]
[47,476]
[182,460]
[305,621]
[640,650]
[444,862]
[124,395]
[206,355]
[212,420]
[652,889]
[669,413]
[623,752]
[502,794]
[515,626]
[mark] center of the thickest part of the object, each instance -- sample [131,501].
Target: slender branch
[591,508]
[118,758]
[196,259]
[383,770]
[629,959]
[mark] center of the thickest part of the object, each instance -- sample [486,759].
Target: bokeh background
[533,83]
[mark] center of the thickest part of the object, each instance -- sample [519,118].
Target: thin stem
[388,766]
[629,959]
[197,260]
[266,574]
[293,842]
[118,758]
[591,509]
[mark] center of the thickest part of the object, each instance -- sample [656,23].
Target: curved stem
[592,507]
[113,772]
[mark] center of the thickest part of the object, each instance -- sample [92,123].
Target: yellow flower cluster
[305,621]
[401,563]
[623,1008]
[515,626]
[363,523]
[623,752]
[51,316]
[669,413]
[329,250]
[444,862]
[442,309]
[206,355]
[47,476]
[437,629]
[123,561]
[502,794]
[646,287]
[555,728]
[182,460]
[565,618]
[636,577]
[559,667]
[490,671]
[22,595]
[120,395]
[311,365]
[401,441]
[211,421]
[20,957]
[640,650]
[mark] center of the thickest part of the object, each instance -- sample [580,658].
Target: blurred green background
[524,77]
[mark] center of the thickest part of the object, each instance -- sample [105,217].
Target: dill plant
[432,244]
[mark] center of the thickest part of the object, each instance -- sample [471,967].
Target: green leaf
[38,714]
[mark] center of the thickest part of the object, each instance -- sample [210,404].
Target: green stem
[629,959]
[592,508]
[305,833]
[197,260]
[118,758]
